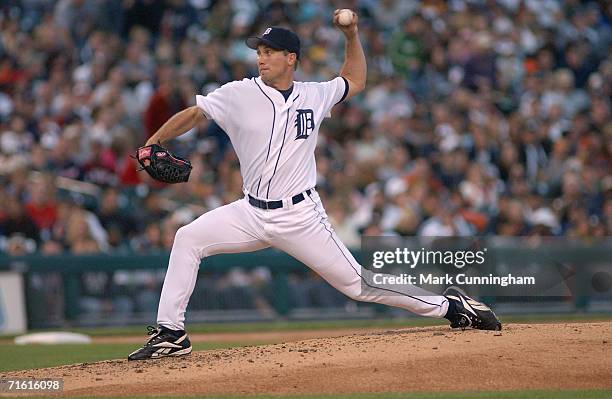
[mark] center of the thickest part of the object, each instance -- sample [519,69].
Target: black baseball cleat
[464,312]
[163,342]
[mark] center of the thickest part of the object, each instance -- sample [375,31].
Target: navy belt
[296,199]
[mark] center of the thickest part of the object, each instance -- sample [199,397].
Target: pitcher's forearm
[354,66]
[180,123]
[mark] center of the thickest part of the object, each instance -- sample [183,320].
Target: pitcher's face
[274,64]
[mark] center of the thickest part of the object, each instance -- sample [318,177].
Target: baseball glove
[162,165]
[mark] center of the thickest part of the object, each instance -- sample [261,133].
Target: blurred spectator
[42,207]
[14,219]
[406,48]
[151,240]
[165,102]
[78,234]
[115,218]
[479,71]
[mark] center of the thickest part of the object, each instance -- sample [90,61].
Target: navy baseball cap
[278,38]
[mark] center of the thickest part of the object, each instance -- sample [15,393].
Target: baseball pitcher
[273,123]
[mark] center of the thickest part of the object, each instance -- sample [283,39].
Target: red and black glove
[162,165]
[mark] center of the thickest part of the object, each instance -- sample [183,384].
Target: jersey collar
[276,96]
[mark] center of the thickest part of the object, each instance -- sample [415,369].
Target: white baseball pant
[301,230]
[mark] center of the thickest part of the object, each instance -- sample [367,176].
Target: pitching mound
[530,356]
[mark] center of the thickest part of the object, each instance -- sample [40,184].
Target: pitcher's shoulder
[324,83]
[240,84]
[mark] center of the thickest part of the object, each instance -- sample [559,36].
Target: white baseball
[345,17]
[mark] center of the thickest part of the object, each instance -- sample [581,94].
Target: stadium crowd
[479,117]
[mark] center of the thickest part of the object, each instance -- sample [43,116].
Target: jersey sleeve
[334,91]
[217,103]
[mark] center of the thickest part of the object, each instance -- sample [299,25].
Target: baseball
[345,17]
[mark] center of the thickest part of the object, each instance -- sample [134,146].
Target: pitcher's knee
[184,239]
[355,293]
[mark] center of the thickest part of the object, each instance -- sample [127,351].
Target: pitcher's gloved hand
[162,165]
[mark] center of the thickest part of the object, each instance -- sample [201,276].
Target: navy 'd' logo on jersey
[304,123]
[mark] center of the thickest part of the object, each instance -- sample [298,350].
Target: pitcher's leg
[228,229]
[314,242]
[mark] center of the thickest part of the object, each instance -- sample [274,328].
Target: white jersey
[274,139]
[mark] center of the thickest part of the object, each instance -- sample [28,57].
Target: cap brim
[254,41]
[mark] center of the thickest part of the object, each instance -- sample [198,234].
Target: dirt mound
[529,356]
